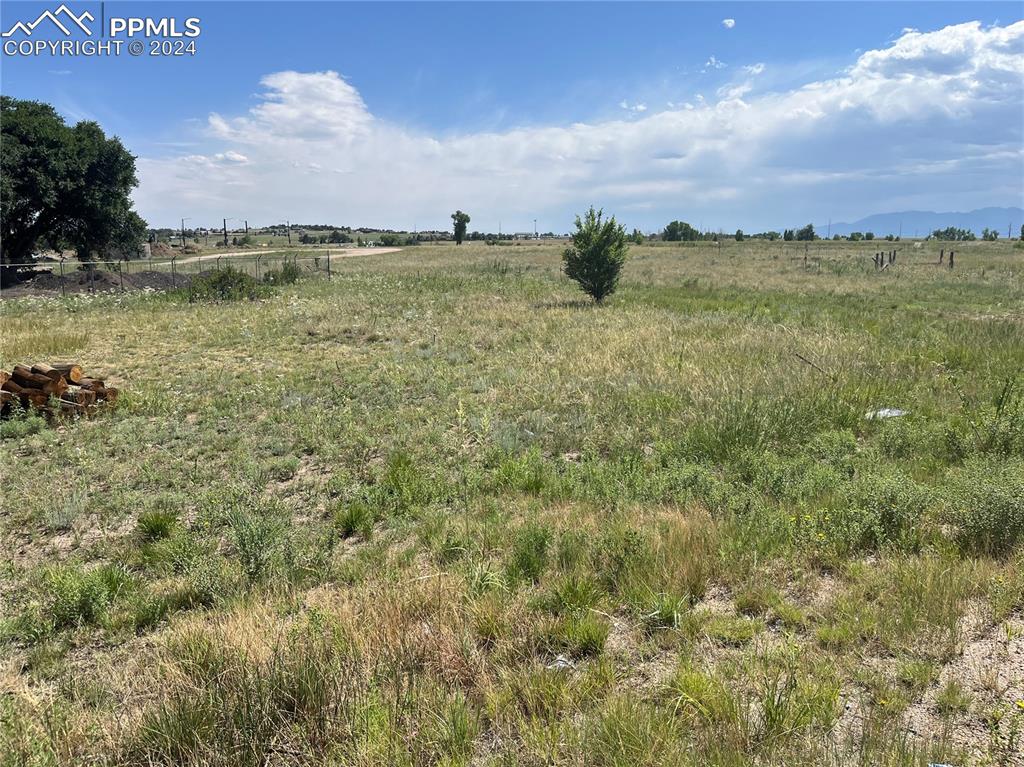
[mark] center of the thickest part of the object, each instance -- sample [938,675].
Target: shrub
[986,506]
[597,254]
[288,274]
[21,423]
[81,597]
[228,284]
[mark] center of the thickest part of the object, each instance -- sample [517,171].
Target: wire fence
[177,272]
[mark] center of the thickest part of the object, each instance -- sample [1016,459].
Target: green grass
[439,509]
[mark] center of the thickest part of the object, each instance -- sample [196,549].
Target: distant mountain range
[923,222]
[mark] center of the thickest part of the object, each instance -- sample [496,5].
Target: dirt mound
[97,281]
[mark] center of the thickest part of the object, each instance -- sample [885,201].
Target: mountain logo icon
[62,12]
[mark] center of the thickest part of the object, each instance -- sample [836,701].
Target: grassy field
[438,509]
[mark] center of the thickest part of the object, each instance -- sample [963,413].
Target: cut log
[79,396]
[73,373]
[35,398]
[46,388]
[72,408]
[25,377]
[45,370]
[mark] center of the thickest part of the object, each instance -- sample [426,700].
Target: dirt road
[302,253]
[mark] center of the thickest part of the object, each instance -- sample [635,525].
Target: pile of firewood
[52,389]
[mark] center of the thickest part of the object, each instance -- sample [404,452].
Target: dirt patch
[48,283]
[990,673]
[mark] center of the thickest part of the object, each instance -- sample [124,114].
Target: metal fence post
[62,276]
[258,267]
[120,276]
[174,270]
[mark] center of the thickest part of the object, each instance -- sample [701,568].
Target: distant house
[525,236]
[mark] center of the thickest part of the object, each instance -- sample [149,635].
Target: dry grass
[440,510]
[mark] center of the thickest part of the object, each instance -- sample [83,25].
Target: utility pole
[246,227]
[535,230]
[225,231]
[183,233]
[289,224]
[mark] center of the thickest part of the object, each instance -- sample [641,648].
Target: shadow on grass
[576,303]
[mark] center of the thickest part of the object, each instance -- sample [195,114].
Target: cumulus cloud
[932,115]
[728,23]
[230,156]
[754,69]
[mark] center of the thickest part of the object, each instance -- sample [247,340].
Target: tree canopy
[680,231]
[63,186]
[597,254]
[460,220]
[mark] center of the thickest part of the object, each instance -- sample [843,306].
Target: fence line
[257,265]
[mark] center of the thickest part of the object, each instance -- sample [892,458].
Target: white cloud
[931,116]
[728,23]
[230,156]
[754,69]
[713,63]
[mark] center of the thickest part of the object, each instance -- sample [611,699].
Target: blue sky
[393,114]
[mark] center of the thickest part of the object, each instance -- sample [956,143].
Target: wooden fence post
[951,260]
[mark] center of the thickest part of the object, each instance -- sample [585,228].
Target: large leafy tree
[677,231]
[597,254]
[63,186]
[460,220]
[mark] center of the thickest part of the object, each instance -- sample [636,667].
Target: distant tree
[337,237]
[62,186]
[772,236]
[806,233]
[856,236]
[460,219]
[308,239]
[1022,232]
[680,231]
[869,235]
[597,254]
[951,233]
[989,235]
[836,237]
[739,235]
[787,235]
[637,238]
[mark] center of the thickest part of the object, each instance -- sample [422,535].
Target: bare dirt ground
[158,275]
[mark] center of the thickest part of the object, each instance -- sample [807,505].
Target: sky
[759,115]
